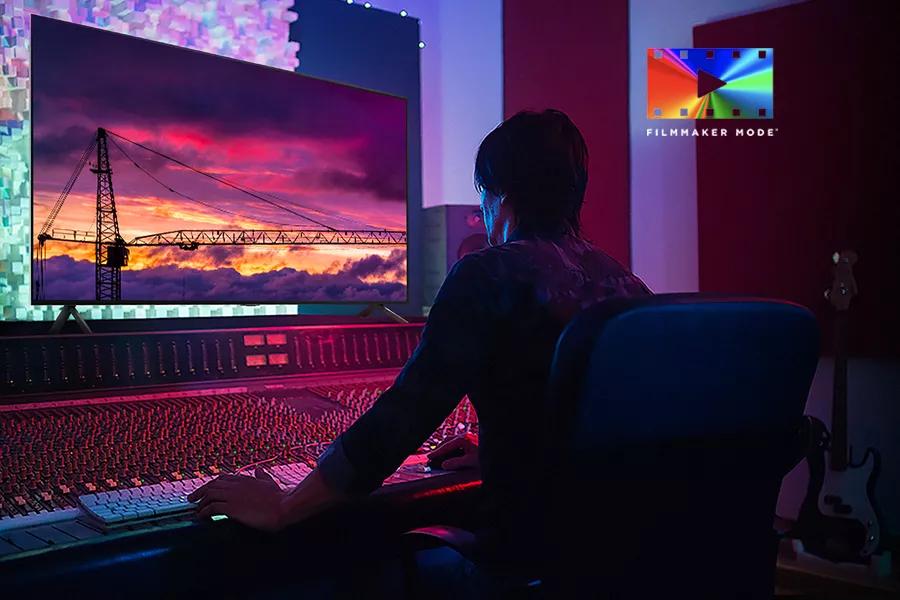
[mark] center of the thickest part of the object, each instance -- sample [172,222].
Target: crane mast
[110,252]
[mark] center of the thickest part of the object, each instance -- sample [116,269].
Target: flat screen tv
[167,175]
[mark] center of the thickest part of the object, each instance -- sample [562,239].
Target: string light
[403,13]
[421,44]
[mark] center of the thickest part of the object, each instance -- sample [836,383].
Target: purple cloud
[73,280]
[158,87]
[376,265]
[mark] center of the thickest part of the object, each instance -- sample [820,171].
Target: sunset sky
[333,153]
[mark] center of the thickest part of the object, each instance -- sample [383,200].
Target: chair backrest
[673,420]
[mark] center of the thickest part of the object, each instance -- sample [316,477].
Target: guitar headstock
[843,285]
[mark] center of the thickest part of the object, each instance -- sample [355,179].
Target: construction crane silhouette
[111,250]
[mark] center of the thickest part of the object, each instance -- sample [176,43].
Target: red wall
[771,211]
[573,55]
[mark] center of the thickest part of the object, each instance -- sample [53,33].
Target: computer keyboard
[288,476]
[130,506]
[133,505]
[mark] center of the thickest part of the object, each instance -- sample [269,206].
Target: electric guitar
[838,520]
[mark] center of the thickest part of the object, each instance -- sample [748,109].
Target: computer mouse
[435,463]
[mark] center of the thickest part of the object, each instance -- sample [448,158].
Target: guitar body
[838,519]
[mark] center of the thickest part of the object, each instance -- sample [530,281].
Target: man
[490,334]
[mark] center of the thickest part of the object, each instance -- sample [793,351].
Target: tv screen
[167,175]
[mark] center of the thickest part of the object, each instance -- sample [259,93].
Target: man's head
[531,172]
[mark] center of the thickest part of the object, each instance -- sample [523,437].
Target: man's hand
[457,453]
[254,501]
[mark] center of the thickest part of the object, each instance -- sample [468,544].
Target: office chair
[672,420]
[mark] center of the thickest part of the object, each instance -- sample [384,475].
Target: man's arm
[455,346]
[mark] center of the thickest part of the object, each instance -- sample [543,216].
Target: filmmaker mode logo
[710,83]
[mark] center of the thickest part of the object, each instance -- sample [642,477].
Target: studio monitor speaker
[451,232]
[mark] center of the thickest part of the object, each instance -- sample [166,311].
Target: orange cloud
[246,260]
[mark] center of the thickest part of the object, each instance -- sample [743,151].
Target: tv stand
[67,311]
[367,311]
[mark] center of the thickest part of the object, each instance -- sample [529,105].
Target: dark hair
[539,161]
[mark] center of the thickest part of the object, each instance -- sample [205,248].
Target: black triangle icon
[707,83]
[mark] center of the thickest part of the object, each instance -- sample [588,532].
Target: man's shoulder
[540,259]
[530,252]
[493,256]
[491,265]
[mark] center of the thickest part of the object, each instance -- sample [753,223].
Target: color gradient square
[721,83]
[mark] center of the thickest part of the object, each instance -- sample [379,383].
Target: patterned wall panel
[249,30]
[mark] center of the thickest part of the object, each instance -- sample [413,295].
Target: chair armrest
[461,540]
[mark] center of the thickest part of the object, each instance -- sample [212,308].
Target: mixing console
[101,434]
[52,455]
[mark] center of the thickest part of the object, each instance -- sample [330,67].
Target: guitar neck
[840,453]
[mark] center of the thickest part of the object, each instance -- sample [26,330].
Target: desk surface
[181,557]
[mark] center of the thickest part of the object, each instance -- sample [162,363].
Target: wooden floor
[800,576]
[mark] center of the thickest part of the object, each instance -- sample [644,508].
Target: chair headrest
[680,365]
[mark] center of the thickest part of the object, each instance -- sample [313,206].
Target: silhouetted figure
[490,335]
